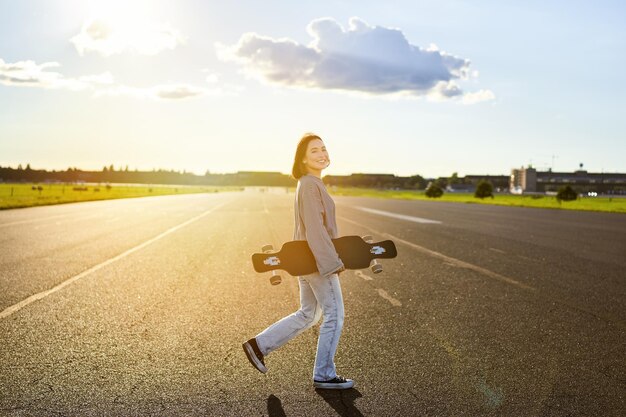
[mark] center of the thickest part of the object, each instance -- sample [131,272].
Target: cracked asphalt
[139,307]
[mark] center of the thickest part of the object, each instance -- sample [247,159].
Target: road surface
[139,307]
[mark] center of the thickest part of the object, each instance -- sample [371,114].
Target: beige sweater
[315,222]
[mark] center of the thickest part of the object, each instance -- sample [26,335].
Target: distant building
[530,180]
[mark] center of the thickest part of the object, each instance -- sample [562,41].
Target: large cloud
[363,58]
[143,37]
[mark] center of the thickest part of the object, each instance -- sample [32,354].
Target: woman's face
[316,157]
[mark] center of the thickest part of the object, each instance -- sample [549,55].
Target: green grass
[606,204]
[23,195]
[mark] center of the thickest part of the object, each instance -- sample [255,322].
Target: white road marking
[35,297]
[362,275]
[451,260]
[497,250]
[389,298]
[398,216]
[35,220]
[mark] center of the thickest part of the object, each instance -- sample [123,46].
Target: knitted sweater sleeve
[313,214]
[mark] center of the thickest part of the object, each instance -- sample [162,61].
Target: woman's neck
[317,174]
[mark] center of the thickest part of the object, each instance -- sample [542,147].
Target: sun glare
[118,25]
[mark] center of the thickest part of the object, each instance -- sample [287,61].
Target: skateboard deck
[297,259]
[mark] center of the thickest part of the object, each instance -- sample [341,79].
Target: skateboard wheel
[377,268]
[368,238]
[275,279]
[267,248]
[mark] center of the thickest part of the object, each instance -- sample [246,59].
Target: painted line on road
[462,264]
[398,216]
[35,297]
[393,301]
[454,261]
[34,220]
[362,275]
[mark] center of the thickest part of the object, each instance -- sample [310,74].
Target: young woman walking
[320,293]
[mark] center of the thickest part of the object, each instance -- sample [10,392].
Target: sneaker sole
[326,385]
[252,358]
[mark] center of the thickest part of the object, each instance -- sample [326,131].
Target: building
[528,180]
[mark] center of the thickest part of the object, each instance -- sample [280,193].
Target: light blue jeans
[318,295]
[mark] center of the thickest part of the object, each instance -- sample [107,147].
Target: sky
[400,87]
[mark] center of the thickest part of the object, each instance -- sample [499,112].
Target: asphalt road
[139,307]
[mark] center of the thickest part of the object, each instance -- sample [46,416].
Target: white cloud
[363,58]
[160,92]
[218,87]
[104,78]
[176,91]
[31,74]
[109,37]
[212,77]
[169,91]
[478,96]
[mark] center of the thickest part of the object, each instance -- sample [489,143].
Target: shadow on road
[342,401]
[275,407]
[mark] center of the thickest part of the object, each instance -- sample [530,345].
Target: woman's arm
[312,213]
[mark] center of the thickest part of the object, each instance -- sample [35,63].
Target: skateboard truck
[275,279]
[376,267]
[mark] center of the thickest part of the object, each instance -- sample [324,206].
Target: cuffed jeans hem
[317,295]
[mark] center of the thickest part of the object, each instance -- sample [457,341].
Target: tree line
[109,174]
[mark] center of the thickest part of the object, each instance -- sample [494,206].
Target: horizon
[132,169]
[403,88]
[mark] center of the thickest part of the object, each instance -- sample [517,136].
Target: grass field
[28,195]
[606,204]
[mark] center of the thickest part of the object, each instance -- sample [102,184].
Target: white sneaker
[337,382]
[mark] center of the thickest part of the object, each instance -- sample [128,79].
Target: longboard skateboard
[297,259]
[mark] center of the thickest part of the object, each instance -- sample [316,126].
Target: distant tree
[416,181]
[454,179]
[207,173]
[484,189]
[433,191]
[126,169]
[111,168]
[566,193]
[19,167]
[105,169]
[28,168]
[441,182]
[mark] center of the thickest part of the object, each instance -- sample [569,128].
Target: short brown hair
[299,169]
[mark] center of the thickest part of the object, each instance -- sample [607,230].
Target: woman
[320,293]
